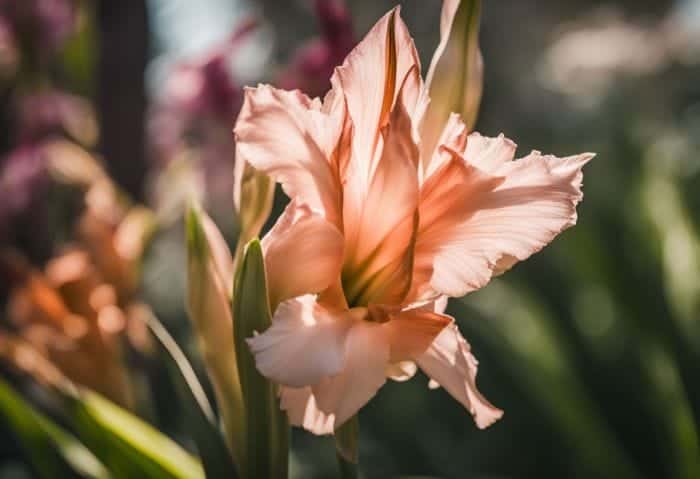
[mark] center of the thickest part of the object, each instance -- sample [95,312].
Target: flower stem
[346,446]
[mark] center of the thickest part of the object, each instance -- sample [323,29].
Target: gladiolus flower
[376,237]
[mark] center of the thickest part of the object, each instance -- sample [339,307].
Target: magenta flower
[40,117]
[49,112]
[22,179]
[9,55]
[43,24]
[199,100]
[312,65]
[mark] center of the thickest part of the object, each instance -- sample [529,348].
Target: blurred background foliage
[592,347]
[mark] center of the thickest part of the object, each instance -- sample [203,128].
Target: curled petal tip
[487,416]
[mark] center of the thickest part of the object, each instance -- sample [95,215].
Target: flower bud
[208,266]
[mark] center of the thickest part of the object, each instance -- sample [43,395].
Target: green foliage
[199,416]
[54,453]
[347,437]
[126,445]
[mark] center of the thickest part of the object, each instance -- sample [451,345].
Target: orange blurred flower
[78,310]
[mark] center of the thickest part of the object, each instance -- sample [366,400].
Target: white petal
[401,371]
[304,344]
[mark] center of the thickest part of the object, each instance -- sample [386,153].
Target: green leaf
[54,453]
[199,415]
[129,447]
[267,428]
[540,363]
[346,445]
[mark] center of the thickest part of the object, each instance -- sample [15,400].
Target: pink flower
[312,65]
[40,117]
[9,54]
[22,180]
[48,112]
[199,99]
[44,24]
[377,237]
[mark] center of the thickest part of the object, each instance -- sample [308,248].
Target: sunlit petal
[380,223]
[449,362]
[303,254]
[448,200]
[287,136]
[302,410]
[363,373]
[304,344]
[503,219]
[371,76]
[412,332]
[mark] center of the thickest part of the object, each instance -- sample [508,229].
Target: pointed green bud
[267,428]
[253,193]
[455,77]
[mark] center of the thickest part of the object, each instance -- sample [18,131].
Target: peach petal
[488,154]
[535,202]
[453,137]
[303,254]
[362,374]
[302,410]
[287,135]
[380,223]
[369,78]
[412,332]
[446,201]
[449,362]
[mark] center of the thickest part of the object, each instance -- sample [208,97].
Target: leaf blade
[128,446]
[55,453]
[199,416]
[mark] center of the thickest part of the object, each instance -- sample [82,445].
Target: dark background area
[591,347]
